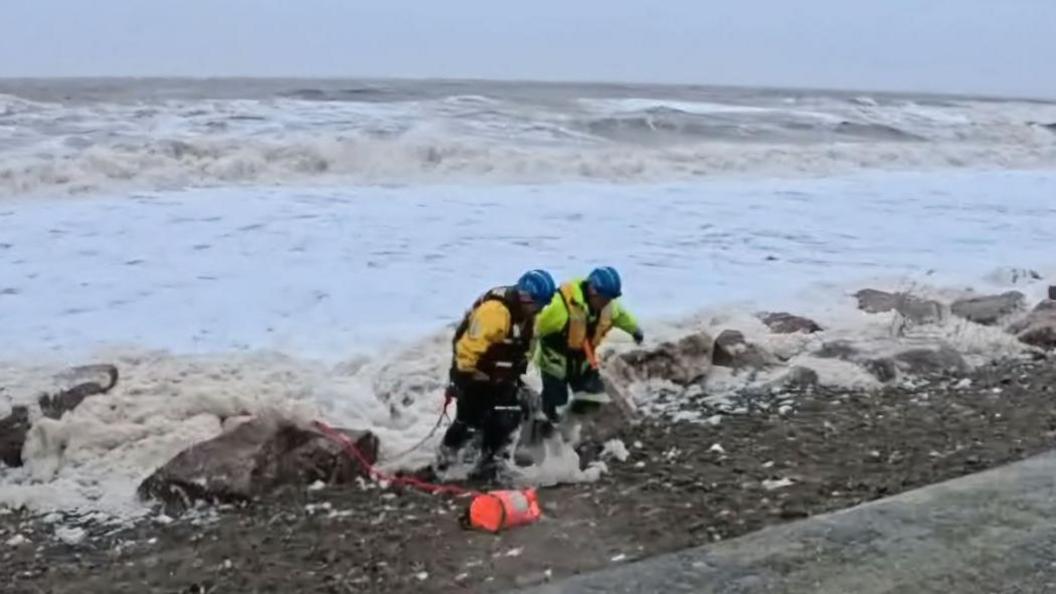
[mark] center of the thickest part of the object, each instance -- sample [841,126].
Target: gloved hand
[461,379]
[638,336]
[450,394]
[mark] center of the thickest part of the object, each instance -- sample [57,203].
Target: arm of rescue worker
[625,320]
[488,325]
[552,319]
[548,322]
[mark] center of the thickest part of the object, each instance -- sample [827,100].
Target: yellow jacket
[489,324]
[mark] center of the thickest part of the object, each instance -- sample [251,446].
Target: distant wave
[362,93]
[363,159]
[375,134]
[874,131]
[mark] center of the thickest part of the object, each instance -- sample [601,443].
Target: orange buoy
[495,511]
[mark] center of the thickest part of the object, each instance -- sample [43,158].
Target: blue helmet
[606,282]
[539,285]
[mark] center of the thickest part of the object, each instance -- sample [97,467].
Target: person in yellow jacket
[568,330]
[490,354]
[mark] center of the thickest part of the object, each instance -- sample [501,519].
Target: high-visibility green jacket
[567,322]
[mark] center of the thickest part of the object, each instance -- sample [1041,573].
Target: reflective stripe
[518,501]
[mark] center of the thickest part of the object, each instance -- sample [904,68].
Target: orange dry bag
[496,510]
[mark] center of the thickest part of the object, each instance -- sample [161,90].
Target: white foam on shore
[94,457]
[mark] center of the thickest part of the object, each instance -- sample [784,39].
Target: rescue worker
[491,348]
[568,330]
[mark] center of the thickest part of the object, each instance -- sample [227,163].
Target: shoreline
[798,453]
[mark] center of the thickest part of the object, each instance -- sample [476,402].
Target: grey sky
[988,46]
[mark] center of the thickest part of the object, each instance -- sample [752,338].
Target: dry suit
[491,347]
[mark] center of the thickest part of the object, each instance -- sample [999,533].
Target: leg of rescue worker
[501,421]
[553,370]
[555,396]
[588,392]
[471,408]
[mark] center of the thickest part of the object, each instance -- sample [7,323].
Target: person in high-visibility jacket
[576,321]
[490,354]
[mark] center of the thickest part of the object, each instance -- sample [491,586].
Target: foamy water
[338,303]
[219,296]
[328,273]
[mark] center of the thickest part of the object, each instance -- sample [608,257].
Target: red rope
[350,448]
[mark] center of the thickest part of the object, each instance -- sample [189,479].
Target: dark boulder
[881,368]
[253,459]
[1038,329]
[925,361]
[733,350]
[989,309]
[796,377]
[15,427]
[786,323]
[54,406]
[681,363]
[911,307]
[837,349]
[13,430]
[874,301]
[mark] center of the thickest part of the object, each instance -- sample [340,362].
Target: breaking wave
[379,134]
[363,159]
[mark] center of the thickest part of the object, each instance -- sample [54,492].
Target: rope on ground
[432,432]
[350,448]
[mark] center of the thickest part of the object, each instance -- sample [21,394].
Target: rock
[1052,292]
[990,309]
[15,427]
[796,377]
[919,311]
[13,430]
[55,406]
[882,369]
[256,457]
[801,377]
[911,307]
[837,349]
[681,363]
[786,323]
[873,301]
[920,361]
[1039,327]
[924,361]
[732,350]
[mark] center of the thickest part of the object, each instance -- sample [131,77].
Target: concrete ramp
[992,532]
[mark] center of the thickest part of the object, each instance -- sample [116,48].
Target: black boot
[456,437]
